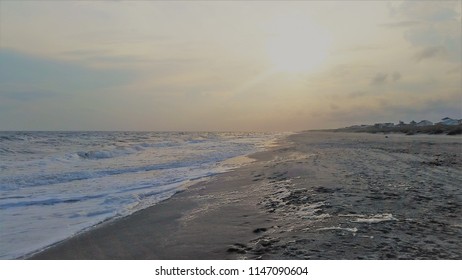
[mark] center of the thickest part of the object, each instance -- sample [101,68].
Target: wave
[13,137]
[6,151]
[97,154]
[122,151]
[48,201]
[36,180]
[106,154]
[82,178]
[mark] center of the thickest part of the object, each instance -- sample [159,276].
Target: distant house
[383,125]
[424,123]
[449,121]
[389,124]
[400,124]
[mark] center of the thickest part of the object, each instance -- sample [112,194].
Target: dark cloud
[430,52]
[379,79]
[396,76]
[426,10]
[383,78]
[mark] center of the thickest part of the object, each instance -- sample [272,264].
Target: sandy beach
[317,195]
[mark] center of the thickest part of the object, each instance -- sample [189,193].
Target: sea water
[55,184]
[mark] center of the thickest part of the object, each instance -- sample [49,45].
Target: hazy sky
[150,65]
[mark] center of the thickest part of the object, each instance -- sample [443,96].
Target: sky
[227,66]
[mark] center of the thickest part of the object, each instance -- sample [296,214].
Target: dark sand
[315,196]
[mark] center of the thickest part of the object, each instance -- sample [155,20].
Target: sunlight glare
[297,44]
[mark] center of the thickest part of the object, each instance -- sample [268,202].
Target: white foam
[57,184]
[339,228]
[378,218]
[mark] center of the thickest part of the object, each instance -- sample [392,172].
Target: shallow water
[55,184]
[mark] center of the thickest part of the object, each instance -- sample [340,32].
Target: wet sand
[318,195]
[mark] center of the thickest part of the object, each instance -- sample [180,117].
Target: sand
[317,195]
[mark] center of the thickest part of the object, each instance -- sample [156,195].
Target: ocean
[56,184]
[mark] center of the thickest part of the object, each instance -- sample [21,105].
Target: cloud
[438,23]
[401,24]
[455,70]
[396,76]
[362,48]
[379,79]
[23,74]
[356,94]
[430,52]
[30,95]
[106,59]
[434,11]
[86,52]
[166,67]
[334,106]
[433,109]
[393,107]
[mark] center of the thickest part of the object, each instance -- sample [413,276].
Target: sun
[297,45]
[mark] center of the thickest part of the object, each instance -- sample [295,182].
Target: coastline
[435,129]
[160,220]
[319,195]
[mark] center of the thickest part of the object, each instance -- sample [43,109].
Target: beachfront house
[401,124]
[383,125]
[424,123]
[449,121]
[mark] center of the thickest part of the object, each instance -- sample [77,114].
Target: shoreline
[436,129]
[182,187]
[57,184]
[319,195]
[164,210]
[229,165]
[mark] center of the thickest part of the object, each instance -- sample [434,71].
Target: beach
[316,195]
